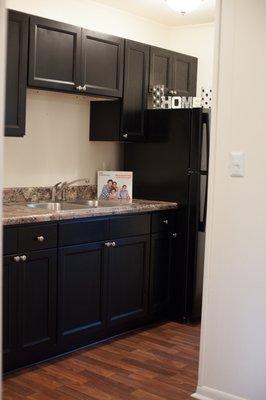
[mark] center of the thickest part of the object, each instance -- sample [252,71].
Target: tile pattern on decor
[34,194]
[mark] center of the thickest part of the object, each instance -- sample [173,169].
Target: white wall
[233,347]
[56,144]
[198,41]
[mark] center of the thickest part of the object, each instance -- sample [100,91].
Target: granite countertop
[19,213]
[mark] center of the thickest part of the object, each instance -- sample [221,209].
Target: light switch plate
[237,164]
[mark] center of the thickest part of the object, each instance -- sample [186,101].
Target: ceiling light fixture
[183,6]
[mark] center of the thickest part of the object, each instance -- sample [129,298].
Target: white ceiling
[157,10]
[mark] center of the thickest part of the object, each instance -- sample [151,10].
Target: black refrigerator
[172,165]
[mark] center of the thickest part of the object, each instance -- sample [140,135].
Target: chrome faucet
[61,187]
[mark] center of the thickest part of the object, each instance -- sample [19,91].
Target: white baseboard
[206,393]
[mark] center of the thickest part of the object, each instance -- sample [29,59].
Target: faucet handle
[57,184]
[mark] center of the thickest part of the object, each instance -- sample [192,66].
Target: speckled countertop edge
[16,214]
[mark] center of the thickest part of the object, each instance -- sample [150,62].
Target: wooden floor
[155,364]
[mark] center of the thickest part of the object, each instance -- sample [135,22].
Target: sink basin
[56,206]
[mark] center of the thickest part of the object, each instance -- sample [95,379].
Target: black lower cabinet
[128,277]
[33,282]
[9,309]
[75,294]
[160,268]
[82,294]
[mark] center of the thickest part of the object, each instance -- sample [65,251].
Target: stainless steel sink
[75,204]
[56,206]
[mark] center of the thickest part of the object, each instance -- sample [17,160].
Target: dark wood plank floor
[156,364]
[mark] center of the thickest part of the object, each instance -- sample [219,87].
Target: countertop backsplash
[35,194]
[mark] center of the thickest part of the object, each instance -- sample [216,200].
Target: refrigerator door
[160,167]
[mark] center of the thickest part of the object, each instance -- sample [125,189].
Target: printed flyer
[115,185]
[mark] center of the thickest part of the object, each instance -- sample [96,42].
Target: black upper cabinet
[128,274]
[102,63]
[82,280]
[136,77]
[160,67]
[184,78]
[54,55]
[16,79]
[176,71]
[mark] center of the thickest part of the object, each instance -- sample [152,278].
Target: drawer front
[10,240]
[82,231]
[164,221]
[131,225]
[37,237]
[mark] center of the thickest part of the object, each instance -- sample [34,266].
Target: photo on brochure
[115,185]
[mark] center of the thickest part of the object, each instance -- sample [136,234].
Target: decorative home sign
[115,185]
[206,97]
[162,101]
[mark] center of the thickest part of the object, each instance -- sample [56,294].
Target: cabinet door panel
[135,90]
[102,63]
[160,67]
[128,280]
[9,305]
[81,292]
[184,75]
[16,73]
[54,56]
[37,301]
[160,272]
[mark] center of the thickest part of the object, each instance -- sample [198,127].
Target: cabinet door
[160,67]
[128,271]
[184,74]
[102,63]
[9,310]
[54,55]
[160,267]
[135,90]
[37,305]
[16,73]
[81,293]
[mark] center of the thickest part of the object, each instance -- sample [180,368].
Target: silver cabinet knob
[113,244]
[166,222]
[174,235]
[40,238]
[174,92]
[17,259]
[79,88]
[84,88]
[107,244]
[125,135]
[171,92]
[23,258]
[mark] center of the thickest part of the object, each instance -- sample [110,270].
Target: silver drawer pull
[17,259]
[23,258]
[113,244]
[40,238]
[166,222]
[174,235]
[107,244]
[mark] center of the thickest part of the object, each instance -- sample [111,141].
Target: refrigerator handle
[206,123]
